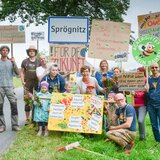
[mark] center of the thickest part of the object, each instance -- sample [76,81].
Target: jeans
[154,114]
[141,113]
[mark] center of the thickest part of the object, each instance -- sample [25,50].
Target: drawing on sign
[76,113]
[146,50]
[121,57]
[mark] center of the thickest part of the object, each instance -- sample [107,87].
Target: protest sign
[149,24]
[108,38]
[76,113]
[69,57]
[146,50]
[12,34]
[38,36]
[131,81]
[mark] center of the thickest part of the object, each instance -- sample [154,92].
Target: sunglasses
[154,67]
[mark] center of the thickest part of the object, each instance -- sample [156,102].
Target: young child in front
[90,89]
[68,87]
[41,111]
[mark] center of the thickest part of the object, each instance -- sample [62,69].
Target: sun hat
[31,47]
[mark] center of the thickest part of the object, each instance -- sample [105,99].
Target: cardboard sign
[149,24]
[37,36]
[131,81]
[146,50]
[121,57]
[108,38]
[69,29]
[76,113]
[69,57]
[12,34]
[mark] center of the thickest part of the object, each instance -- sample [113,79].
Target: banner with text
[131,81]
[108,38]
[69,57]
[149,24]
[12,34]
[76,113]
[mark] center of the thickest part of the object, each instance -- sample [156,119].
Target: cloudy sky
[137,7]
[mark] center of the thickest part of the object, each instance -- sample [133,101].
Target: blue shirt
[127,111]
[154,93]
[56,84]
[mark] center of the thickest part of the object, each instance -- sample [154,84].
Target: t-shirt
[6,73]
[127,111]
[30,69]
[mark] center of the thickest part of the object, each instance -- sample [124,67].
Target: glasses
[154,67]
[117,100]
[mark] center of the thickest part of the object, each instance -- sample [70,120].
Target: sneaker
[39,133]
[2,129]
[16,128]
[27,122]
[46,133]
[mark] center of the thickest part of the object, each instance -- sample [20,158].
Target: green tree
[37,11]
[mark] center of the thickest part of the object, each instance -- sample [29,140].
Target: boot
[14,114]
[2,120]
[40,131]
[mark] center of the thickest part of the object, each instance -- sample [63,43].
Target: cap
[44,83]
[90,85]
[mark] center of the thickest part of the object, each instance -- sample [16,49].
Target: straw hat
[31,48]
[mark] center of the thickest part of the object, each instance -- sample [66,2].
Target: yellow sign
[149,24]
[76,113]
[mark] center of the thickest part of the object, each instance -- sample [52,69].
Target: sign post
[37,36]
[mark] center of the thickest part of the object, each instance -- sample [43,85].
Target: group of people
[37,74]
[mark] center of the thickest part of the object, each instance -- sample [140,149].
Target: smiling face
[154,68]
[120,100]
[44,89]
[103,65]
[53,71]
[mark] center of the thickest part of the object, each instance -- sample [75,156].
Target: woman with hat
[28,75]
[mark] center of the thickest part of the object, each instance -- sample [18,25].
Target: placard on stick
[131,81]
[76,113]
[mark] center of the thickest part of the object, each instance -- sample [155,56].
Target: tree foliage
[37,11]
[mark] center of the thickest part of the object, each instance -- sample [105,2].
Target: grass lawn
[29,146]
[17,82]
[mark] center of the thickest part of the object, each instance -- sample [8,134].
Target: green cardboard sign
[146,50]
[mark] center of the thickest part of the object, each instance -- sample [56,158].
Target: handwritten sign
[131,81]
[149,24]
[69,57]
[37,36]
[121,57]
[12,34]
[76,113]
[108,38]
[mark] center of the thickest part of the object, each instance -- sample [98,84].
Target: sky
[137,7]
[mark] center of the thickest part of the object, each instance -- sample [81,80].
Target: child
[68,87]
[90,89]
[109,111]
[41,111]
